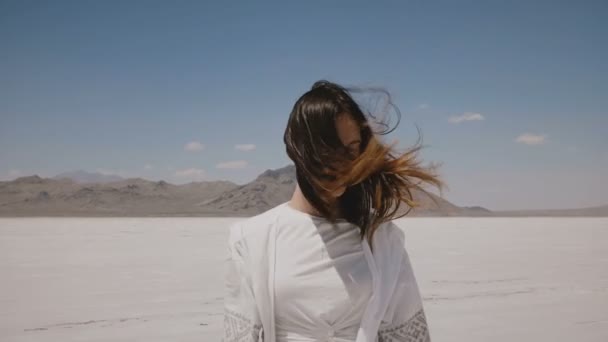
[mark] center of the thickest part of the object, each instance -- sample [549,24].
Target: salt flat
[160,279]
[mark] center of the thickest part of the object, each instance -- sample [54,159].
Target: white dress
[322,280]
[292,277]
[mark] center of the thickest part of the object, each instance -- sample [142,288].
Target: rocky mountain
[269,189]
[36,196]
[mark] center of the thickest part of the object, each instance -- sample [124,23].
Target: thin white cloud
[245,147]
[468,116]
[423,106]
[148,166]
[190,174]
[235,164]
[194,146]
[531,139]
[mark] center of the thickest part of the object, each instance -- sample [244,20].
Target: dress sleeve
[407,317]
[241,318]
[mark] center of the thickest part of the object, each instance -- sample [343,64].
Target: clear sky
[511,96]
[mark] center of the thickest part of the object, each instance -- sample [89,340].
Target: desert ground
[160,279]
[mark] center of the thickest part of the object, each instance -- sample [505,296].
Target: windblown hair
[378,181]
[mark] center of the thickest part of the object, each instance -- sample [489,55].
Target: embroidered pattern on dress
[239,328]
[414,329]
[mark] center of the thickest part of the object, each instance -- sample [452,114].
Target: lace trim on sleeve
[239,328]
[414,329]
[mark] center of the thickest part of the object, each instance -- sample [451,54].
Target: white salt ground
[160,279]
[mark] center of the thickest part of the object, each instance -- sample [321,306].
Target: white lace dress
[303,279]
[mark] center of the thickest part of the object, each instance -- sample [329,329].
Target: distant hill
[36,196]
[276,186]
[269,189]
[70,195]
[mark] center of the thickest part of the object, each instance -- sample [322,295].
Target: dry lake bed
[160,279]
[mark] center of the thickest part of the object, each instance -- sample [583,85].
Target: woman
[329,264]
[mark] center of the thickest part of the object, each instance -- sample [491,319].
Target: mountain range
[81,193]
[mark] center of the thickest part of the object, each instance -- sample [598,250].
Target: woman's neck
[299,202]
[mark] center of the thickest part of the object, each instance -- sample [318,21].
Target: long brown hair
[378,180]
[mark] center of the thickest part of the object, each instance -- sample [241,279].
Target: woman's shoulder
[393,231]
[255,226]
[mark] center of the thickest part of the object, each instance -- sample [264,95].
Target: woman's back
[322,281]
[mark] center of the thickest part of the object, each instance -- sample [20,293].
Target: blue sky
[510,95]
